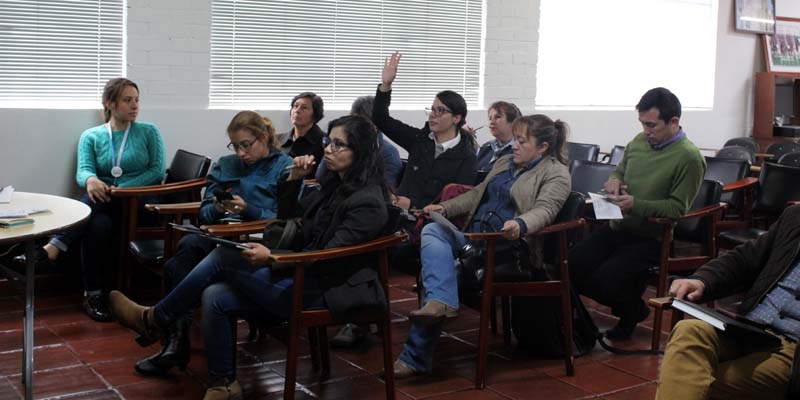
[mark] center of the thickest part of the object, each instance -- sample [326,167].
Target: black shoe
[96,307]
[627,323]
[175,352]
[40,257]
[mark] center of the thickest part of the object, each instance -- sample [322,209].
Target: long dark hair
[367,166]
[545,130]
[458,106]
[112,90]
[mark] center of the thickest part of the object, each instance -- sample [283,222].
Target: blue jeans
[231,287]
[438,253]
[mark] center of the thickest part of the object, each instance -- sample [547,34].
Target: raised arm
[401,133]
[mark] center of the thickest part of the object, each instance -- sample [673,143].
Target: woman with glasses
[305,138]
[439,153]
[122,152]
[523,193]
[241,186]
[350,208]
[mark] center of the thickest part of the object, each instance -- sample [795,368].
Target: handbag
[282,234]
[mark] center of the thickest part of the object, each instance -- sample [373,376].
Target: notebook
[725,323]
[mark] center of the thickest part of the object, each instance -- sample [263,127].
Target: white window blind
[59,53]
[606,54]
[263,53]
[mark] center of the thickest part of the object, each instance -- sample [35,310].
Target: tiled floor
[79,359]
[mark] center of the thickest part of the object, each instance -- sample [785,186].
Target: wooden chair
[566,221]
[147,245]
[699,225]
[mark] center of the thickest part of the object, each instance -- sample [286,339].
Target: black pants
[611,267]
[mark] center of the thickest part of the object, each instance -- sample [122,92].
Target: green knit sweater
[143,161]
[662,182]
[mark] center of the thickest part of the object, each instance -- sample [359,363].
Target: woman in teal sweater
[122,153]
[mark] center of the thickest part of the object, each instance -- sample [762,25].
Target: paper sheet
[5,194]
[604,209]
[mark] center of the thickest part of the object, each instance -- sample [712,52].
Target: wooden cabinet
[767,85]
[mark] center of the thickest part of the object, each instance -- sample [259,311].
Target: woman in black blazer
[439,153]
[350,208]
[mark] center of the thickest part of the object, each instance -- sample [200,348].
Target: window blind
[59,53]
[606,54]
[263,53]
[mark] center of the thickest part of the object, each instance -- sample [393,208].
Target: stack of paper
[5,194]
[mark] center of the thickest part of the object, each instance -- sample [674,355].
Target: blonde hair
[260,127]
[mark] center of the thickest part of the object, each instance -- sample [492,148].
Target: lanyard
[121,146]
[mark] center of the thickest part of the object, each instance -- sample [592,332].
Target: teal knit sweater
[662,182]
[143,162]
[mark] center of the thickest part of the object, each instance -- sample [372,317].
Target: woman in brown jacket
[522,193]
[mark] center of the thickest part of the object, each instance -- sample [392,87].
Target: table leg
[27,351]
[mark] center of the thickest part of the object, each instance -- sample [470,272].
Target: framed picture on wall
[755,16]
[782,50]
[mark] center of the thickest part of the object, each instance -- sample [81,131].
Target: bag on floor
[538,325]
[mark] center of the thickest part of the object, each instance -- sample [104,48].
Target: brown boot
[133,316]
[228,391]
[433,312]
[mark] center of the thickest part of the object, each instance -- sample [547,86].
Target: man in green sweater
[659,176]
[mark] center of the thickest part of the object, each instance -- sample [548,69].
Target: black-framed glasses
[436,111]
[244,145]
[336,145]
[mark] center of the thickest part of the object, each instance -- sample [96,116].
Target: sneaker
[96,307]
[349,336]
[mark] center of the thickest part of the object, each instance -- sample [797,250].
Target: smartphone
[222,195]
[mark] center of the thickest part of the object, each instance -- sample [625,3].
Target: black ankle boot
[175,351]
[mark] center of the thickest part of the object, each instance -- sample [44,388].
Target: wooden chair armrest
[740,184]
[327,254]
[245,228]
[705,211]
[174,208]
[662,303]
[755,168]
[156,190]
[563,226]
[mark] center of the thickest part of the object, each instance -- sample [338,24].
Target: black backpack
[538,325]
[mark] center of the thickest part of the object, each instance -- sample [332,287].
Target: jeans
[231,287]
[611,267]
[438,253]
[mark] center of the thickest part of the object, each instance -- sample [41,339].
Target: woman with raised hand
[523,193]
[439,153]
[350,208]
[122,152]
[243,186]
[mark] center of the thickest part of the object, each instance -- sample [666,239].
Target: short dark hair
[316,104]
[510,110]
[363,106]
[662,99]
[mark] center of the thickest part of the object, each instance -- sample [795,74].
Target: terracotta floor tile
[120,372]
[396,293]
[86,330]
[13,320]
[64,315]
[644,392]
[8,391]
[433,385]
[472,394]
[598,378]
[44,358]
[339,370]
[643,366]
[362,387]
[539,387]
[259,381]
[111,348]
[370,360]
[12,304]
[63,381]
[96,395]
[183,388]
[12,340]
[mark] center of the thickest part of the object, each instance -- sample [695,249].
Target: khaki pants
[701,362]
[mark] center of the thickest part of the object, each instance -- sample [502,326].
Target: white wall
[168,56]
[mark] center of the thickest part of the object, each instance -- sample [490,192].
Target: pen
[288,167]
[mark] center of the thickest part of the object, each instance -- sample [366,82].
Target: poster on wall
[782,50]
[755,16]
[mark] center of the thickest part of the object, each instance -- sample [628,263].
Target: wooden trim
[168,188]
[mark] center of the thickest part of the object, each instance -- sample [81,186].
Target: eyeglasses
[335,144]
[244,145]
[436,111]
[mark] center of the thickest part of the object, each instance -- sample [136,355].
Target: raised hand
[301,167]
[390,70]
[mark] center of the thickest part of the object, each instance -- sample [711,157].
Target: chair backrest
[186,166]
[571,210]
[589,176]
[778,149]
[727,170]
[736,153]
[691,229]
[791,159]
[582,151]
[746,142]
[778,184]
[616,155]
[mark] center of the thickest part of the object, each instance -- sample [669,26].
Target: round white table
[62,214]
